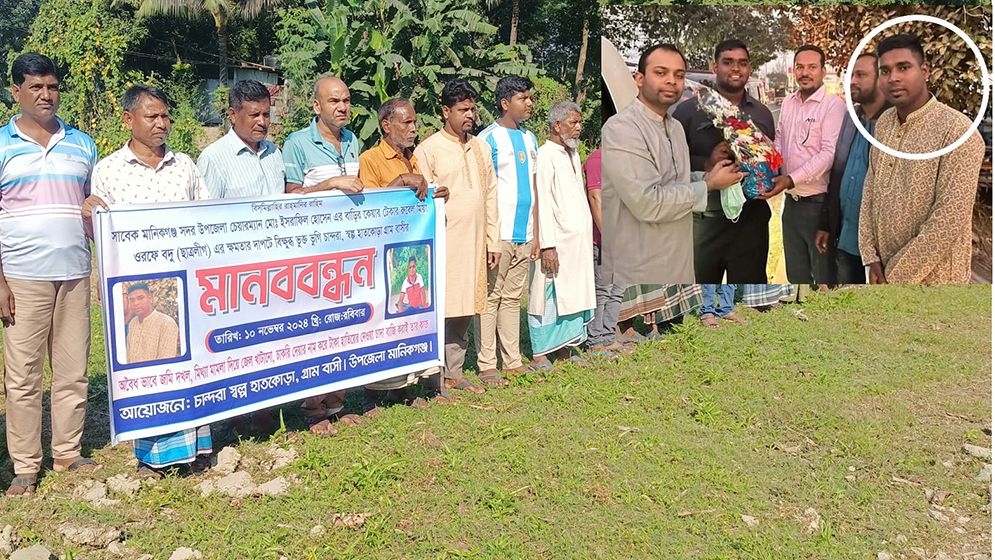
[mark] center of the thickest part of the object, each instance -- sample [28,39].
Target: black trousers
[737,249]
[799,223]
[849,268]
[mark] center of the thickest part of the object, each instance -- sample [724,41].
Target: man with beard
[837,235]
[806,137]
[648,194]
[146,171]
[392,163]
[738,250]
[461,161]
[243,162]
[915,216]
[561,294]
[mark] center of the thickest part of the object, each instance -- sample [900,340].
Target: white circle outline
[906,155]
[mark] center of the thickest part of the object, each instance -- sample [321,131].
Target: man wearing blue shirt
[837,233]
[243,163]
[513,151]
[325,155]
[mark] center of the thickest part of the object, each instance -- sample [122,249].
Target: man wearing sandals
[325,156]
[561,294]
[455,158]
[145,170]
[45,168]
[392,163]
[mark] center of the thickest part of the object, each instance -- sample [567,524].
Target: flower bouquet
[755,153]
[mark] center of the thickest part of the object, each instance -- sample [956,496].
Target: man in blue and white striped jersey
[513,150]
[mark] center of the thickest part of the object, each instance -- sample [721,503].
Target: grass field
[704,444]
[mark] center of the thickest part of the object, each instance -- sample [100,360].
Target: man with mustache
[648,193]
[737,250]
[243,162]
[45,167]
[392,163]
[561,294]
[837,235]
[807,132]
[145,171]
[915,216]
[462,162]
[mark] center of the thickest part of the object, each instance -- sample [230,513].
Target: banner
[214,309]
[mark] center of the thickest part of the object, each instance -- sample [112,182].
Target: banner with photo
[214,309]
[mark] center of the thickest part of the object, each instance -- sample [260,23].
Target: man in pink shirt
[807,131]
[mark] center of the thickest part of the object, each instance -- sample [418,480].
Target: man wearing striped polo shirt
[45,168]
[243,162]
[513,150]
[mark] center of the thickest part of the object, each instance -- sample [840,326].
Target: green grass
[657,456]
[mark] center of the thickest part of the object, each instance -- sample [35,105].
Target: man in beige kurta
[648,193]
[915,215]
[458,160]
[561,293]
[153,338]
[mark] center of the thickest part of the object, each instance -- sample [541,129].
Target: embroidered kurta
[564,224]
[154,338]
[915,216]
[471,215]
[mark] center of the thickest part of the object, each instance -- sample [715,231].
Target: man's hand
[441,192]
[550,263]
[89,204]
[876,274]
[720,152]
[493,259]
[6,304]
[534,252]
[413,180]
[781,183]
[724,174]
[822,241]
[345,183]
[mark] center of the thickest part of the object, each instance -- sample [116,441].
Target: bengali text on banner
[218,308]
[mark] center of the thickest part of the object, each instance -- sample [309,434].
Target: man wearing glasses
[806,136]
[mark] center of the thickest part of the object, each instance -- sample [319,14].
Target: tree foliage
[697,29]
[955,76]
[388,48]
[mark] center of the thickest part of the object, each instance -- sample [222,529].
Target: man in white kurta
[561,293]
[454,158]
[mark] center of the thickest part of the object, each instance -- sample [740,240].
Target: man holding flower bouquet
[736,249]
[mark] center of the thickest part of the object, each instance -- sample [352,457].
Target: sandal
[579,360]
[709,321]
[348,419]
[321,427]
[492,377]
[80,464]
[538,366]
[733,318]
[149,472]
[464,384]
[22,485]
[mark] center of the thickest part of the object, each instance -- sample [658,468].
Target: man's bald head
[332,103]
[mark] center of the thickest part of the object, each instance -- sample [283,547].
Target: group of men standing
[846,205]
[513,209]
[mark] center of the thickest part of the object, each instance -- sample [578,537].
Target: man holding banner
[146,171]
[325,156]
[455,158]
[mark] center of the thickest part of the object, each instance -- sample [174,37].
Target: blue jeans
[726,292]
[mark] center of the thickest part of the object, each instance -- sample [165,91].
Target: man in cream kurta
[561,294]
[648,193]
[460,161]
